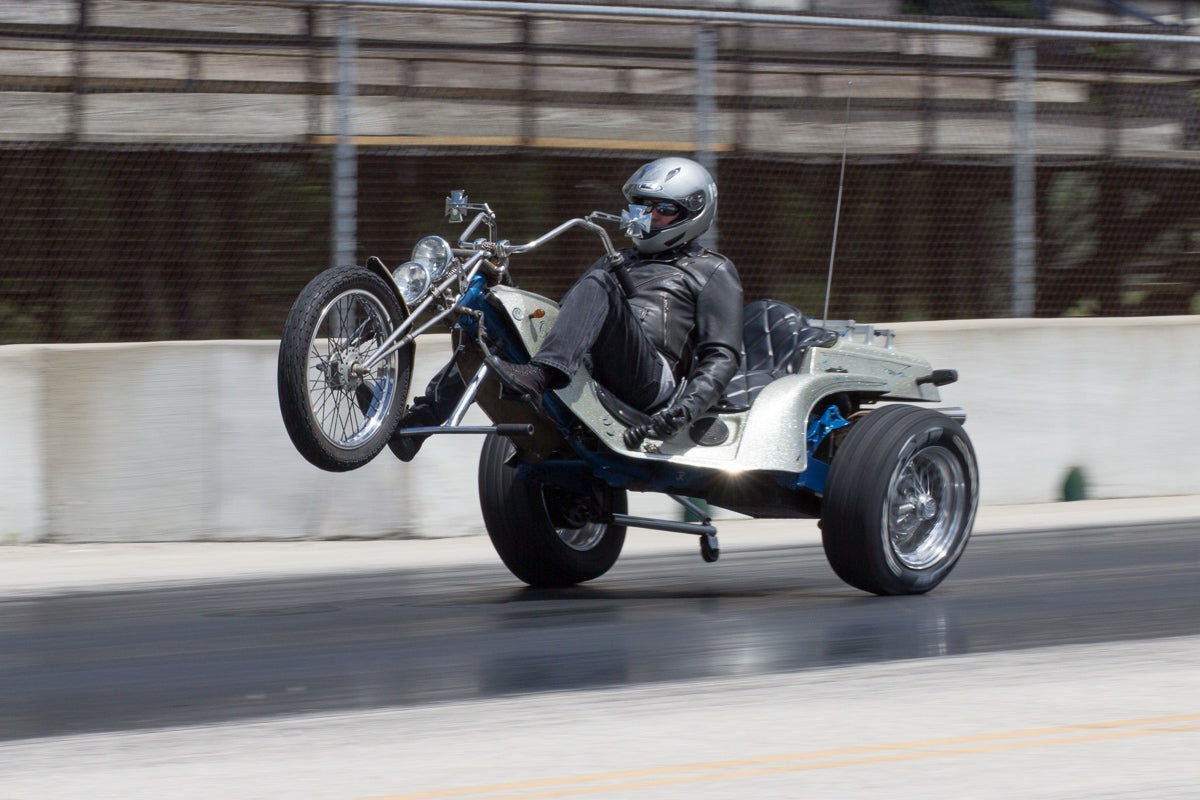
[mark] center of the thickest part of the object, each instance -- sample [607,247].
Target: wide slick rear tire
[338,413]
[536,548]
[900,501]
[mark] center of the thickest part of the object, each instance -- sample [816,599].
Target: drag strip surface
[107,661]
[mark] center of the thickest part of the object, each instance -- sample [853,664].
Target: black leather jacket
[689,302]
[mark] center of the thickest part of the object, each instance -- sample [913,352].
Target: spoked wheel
[546,535]
[900,501]
[338,411]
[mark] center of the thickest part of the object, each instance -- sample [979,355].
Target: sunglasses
[662,207]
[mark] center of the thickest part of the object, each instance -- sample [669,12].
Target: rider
[667,343]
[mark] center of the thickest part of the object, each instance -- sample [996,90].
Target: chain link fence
[176,170]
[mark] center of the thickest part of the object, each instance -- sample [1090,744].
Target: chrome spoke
[351,329]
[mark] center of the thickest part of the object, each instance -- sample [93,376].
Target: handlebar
[479,255]
[579,222]
[501,249]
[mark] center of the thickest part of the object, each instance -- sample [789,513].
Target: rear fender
[775,435]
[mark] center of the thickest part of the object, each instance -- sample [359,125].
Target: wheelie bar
[506,429]
[710,548]
[698,528]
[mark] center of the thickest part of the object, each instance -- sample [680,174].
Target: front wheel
[544,534]
[900,501]
[338,411]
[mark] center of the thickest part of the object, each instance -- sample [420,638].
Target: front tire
[538,530]
[339,414]
[900,501]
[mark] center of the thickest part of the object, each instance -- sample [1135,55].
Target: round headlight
[414,280]
[435,253]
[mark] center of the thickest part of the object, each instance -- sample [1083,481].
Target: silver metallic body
[772,434]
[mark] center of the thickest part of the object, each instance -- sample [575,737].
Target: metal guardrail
[717,17]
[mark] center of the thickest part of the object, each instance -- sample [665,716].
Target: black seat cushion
[775,337]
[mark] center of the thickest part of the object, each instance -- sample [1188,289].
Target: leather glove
[619,265]
[661,425]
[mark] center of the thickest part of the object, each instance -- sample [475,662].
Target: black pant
[440,398]
[596,325]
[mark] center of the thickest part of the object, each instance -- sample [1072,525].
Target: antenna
[837,216]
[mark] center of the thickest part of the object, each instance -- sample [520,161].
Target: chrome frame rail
[394,342]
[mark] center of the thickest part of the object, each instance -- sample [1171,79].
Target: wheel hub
[927,507]
[346,375]
[354,375]
[578,518]
[569,510]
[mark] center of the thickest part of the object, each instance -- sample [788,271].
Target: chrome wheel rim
[585,538]
[349,402]
[580,537]
[927,507]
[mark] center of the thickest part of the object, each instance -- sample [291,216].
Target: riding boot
[430,409]
[405,448]
[532,379]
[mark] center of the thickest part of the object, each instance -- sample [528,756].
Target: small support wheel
[710,549]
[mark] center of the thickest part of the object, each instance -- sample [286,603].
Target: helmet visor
[663,213]
[663,208]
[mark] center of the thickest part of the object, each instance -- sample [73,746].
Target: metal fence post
[313,71]
[75,129]
[706,111]
[529,70]
[345,167]
[1024,294]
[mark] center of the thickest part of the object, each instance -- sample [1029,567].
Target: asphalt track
[84,663]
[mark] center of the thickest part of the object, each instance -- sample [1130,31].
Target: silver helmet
[680,181]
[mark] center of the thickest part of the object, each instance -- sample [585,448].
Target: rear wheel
[900,501]
[546,535]
[338,412]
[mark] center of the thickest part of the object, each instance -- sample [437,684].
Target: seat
[775,337]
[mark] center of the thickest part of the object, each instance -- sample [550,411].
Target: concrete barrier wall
[183,441]
[1114,397]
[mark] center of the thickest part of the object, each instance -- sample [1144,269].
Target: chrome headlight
[435,253]
[414,280]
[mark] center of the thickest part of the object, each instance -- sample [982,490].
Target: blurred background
[180,169]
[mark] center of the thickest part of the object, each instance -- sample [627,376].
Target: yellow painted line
[515,141]
[652,777]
